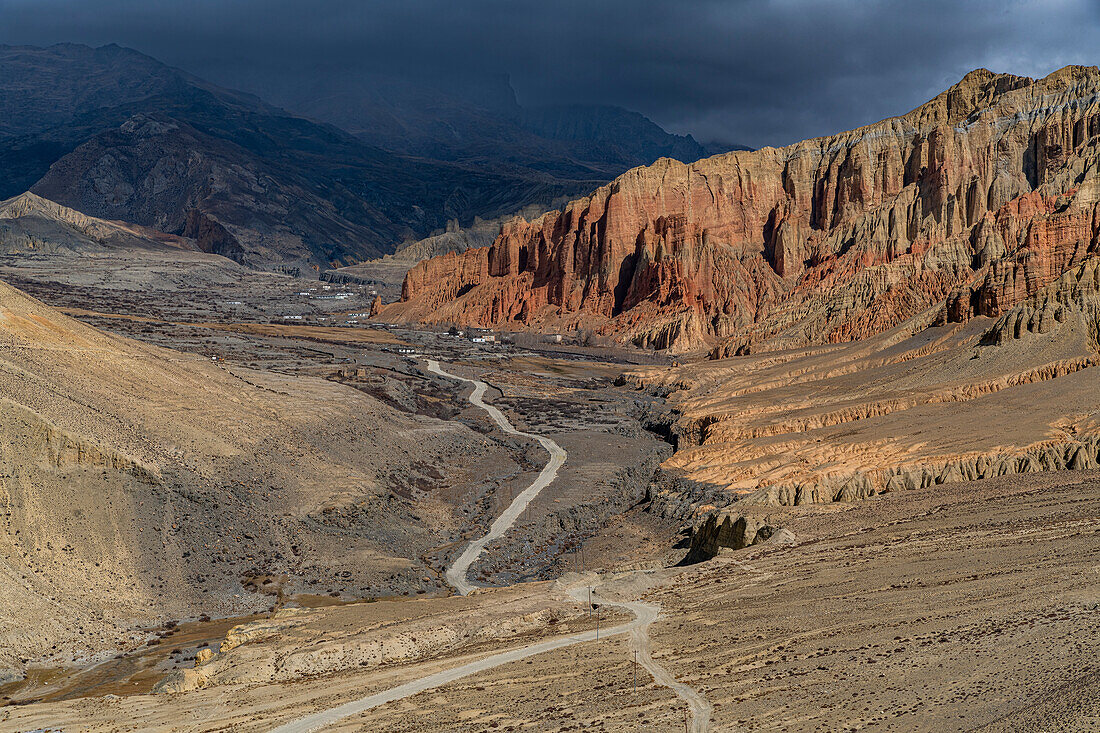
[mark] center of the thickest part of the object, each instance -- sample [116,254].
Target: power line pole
[635,670]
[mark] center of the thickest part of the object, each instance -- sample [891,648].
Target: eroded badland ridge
[975,199]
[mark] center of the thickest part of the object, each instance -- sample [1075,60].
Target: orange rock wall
[975,199]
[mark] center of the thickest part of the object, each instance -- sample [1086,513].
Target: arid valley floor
[955,606]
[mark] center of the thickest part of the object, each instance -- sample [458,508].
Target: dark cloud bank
[758,73]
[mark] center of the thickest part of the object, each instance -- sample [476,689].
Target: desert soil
[949,608]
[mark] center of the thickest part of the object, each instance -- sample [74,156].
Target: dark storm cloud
[753,72]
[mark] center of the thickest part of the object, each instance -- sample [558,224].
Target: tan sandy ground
[806,421]
[941,609]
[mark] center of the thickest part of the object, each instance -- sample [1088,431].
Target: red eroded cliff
[974,199]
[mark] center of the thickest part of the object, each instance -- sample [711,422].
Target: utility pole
[635,670]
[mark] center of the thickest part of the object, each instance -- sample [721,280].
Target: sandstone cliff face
[910,408]
[977,198]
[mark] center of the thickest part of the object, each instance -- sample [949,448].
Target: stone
[728,529]
[182,680]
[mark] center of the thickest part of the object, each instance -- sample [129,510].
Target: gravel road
[581,590]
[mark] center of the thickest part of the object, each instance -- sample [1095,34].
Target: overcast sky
[754,72]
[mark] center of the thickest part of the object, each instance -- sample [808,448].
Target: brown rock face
[975,199]
[211,236]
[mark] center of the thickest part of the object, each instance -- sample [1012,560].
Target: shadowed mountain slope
[118,135]
[479,121]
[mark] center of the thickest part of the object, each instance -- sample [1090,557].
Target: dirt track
[456,573]
[644,613]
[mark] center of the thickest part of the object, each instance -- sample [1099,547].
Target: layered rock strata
[913,407]
[977,199]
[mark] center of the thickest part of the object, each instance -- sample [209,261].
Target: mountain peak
[1069,75]
[975,91]
[981,88]
[28,204]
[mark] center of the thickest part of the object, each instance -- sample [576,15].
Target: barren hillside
[141,484]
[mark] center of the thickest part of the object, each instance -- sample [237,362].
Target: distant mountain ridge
[388,272]
[32,224]
[117,134]
[479,121]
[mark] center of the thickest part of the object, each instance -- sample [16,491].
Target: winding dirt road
[644,615]
[457,572]
[579,588]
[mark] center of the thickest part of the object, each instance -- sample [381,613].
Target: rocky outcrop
[340,277]
[45,443]
[680,501]
[1076,455]
[1074,297]
[297,644]
[977,198]
[732,530]
[212,237]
